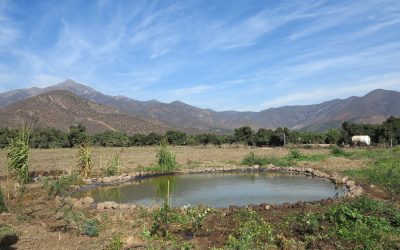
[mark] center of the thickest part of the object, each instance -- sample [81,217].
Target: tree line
[387,133]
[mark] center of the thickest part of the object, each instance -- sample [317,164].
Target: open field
[132,157]
[369,222]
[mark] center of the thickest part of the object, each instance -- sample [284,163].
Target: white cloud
[183,92]
[328,93]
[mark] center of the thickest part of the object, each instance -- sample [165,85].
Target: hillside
[62,109]
[374,107]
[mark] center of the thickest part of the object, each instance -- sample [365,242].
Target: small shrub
[114,166]
[336,151]
[115,243]
[166,160]
[308,224]
[8,236]
[295,154]
[253,232]
[163,218]
[61,185]
[84,161]
[3,207]
[18,157]
[90,228]
[196,217]
[252,159]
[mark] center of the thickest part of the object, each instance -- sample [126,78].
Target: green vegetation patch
[384,173]
[61,185]
[253,232]
[8,235]
[3,207]
[286,161]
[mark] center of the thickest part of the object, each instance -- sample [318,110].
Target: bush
[90,228]
[166,160]
[295,154]
[8,236]
[18,157]
[253,232]
[252,159]
[336,151]
[61,185]
[113,166]
[3,207]
[84,161]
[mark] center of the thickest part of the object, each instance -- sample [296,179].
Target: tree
[244,135]
[332,136]
[175,137]
[263,137]
[77,135]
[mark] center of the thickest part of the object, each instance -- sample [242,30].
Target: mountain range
[67,103]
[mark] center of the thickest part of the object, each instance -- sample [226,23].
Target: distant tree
[263,137]
[137,140]
[153,139]
[332,136]
[77,135]
[175,137]
[48,138]
[391,130]
[244,135]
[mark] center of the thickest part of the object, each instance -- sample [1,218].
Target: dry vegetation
[132,157]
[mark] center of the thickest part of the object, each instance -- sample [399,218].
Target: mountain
[62,109]
[374,107]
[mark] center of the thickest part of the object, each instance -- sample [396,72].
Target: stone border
[352,190]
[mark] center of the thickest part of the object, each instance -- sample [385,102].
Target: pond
[218,190]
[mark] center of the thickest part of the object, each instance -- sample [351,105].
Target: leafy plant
[8,236]
[196,217]
[115,243]
[61,185]
[253,232]
[295,154]
[113,166]
[18,156]
[79,222]
[90,228]
[162,219]
[166,160]
[336,151]
[84,161]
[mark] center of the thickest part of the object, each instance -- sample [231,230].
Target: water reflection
[219,190]
[161,185]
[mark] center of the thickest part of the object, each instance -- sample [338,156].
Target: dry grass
[132,157]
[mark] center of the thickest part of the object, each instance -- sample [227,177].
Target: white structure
[361,139]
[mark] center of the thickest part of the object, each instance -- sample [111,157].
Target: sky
[223,55]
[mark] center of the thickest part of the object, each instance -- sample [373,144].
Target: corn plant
[18,157]
[114,166]
[84,161]
[166,160]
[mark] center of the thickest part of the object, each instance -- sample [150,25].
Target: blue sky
[223,55]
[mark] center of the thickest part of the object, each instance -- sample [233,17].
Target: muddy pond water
[218,190]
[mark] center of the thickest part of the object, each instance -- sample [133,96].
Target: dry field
[132,157]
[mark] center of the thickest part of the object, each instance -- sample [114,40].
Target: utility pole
[284,139]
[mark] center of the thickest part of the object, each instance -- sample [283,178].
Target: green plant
[253,232]
[90,227]
[196,217]
[166,160]
[84,160]
[61,185]
[3,207]
[163,218]
[113,166]
[77,221]
[18,156]
[308,224]
[115,243]
[295,154]
[8,235]
[336,151]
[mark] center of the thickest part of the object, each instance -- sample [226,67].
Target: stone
[124,206]
[88,200]
[77,204]
[372,186]
[107,205]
